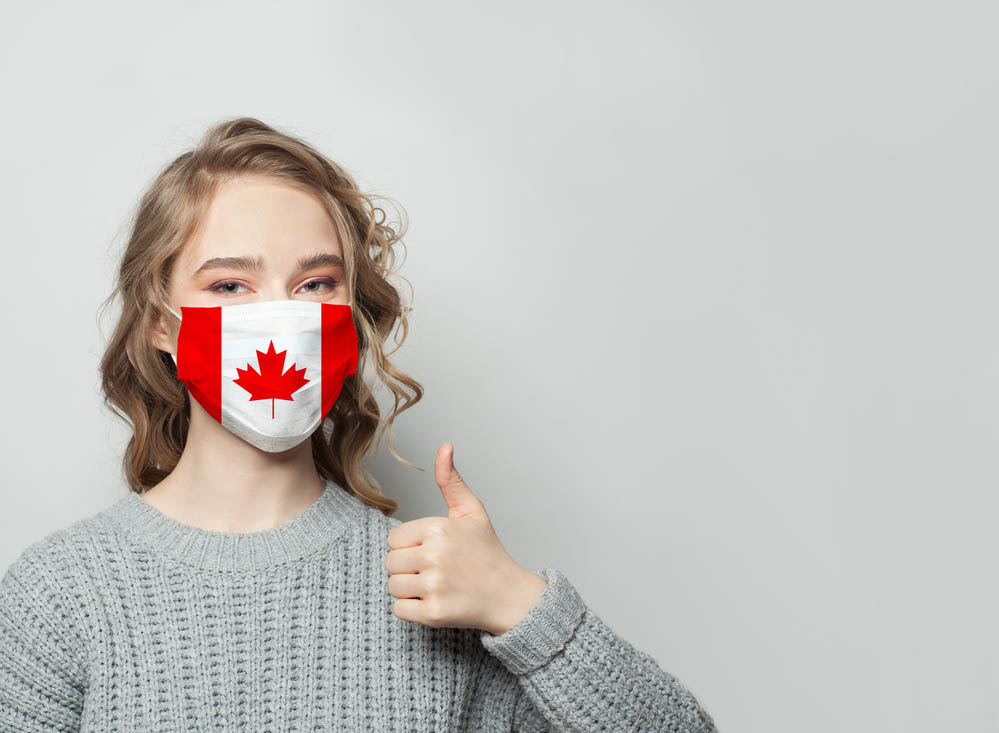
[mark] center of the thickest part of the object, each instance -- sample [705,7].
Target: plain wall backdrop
[704,295]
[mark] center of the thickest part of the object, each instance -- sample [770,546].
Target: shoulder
[60,564]
[45,556]
[374,519]
[32,584]
[377,526]
[40,597]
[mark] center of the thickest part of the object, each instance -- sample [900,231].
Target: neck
[223,483]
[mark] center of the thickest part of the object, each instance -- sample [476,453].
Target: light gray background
[704,297]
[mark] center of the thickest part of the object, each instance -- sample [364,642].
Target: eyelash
[218,287]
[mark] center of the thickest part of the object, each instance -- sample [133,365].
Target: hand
[453,571]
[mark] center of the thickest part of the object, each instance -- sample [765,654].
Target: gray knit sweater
[132,621]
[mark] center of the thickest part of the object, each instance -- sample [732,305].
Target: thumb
[460,500]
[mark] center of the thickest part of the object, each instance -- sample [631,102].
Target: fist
[453,571]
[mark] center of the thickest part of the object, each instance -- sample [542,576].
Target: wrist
[524,593]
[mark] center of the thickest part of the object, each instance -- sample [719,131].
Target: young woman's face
[261,240]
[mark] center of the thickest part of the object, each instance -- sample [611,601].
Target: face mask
[267,371]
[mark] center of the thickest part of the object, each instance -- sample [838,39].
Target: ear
[163,332]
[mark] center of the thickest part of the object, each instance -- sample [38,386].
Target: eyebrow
[255,263]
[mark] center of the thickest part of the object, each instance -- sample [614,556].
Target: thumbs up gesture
[453,571]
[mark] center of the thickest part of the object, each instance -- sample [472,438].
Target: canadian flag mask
[267,371]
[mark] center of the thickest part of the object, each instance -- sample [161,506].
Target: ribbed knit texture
[131,621]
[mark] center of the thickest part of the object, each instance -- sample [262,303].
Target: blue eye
[329,283]
[227,287]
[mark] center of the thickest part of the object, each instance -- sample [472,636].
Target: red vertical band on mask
[339,344]
[199,356]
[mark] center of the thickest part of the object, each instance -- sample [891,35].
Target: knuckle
[434,583]
[437,526]
[434,612]
[432,557]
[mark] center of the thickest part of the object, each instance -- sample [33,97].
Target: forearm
[579,675]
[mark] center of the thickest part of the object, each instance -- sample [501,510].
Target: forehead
[261,217]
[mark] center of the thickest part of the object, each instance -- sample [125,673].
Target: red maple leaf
[271,384]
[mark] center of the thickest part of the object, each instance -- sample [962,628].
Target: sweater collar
[329,517]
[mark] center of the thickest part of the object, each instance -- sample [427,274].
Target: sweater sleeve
[576,674]
[41,678]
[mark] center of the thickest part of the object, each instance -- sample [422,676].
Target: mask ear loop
[179,318]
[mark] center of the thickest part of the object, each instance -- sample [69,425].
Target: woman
[253,578]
